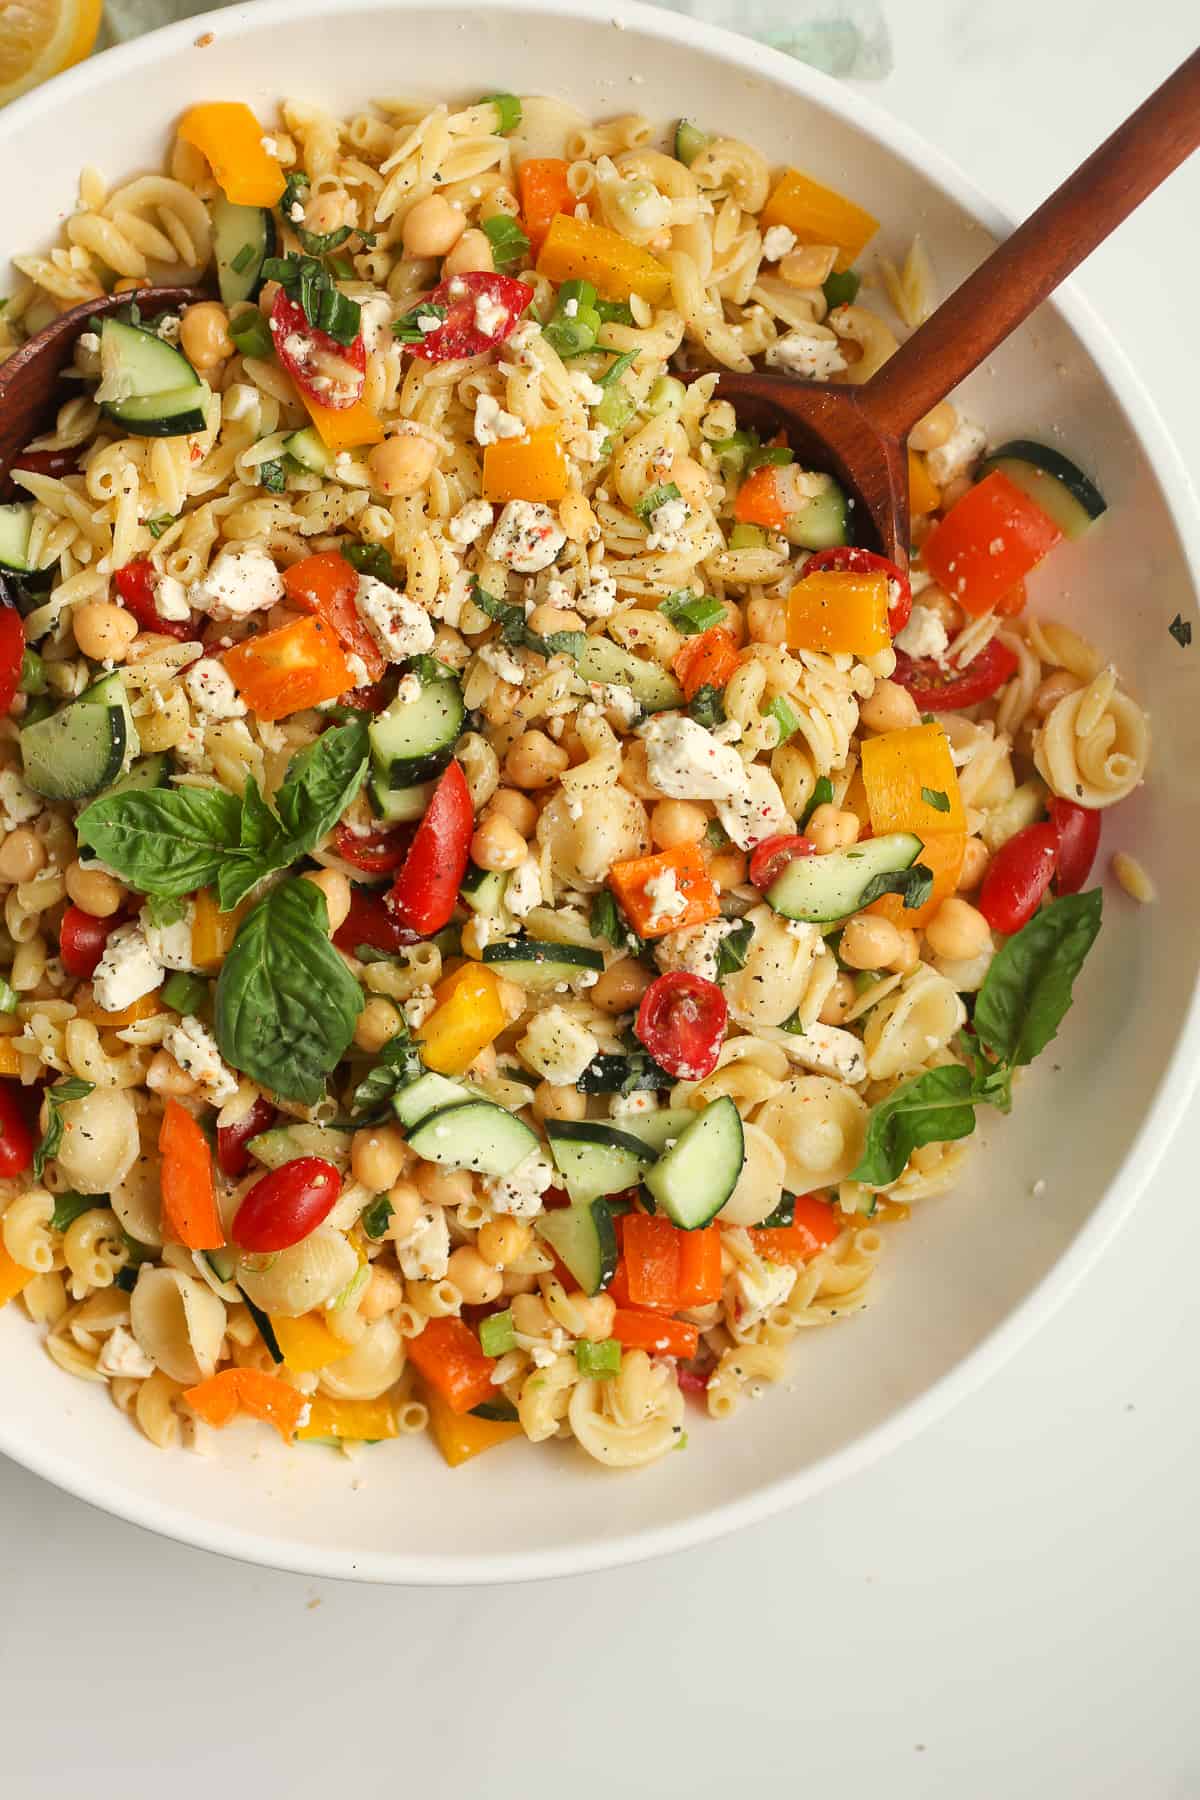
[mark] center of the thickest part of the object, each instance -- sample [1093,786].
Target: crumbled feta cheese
[524,887]
[493,423]
[408,690]
[190,749]
[296,213]
[170,599]
[589,391]
[693,950]
[815,358]
[519,1193]
[558,1047]
[760,1287]
[18,802]
[666,901]
[240,582]
[211,691]
[632,1106]
[171,945]
[598,600]
[756,810]
[195,1050]
[958,454]
[588,446]
[424,1255]
[399,626]
[240,401]
[527,537]
[122,1355]
[270,146]
[618,700]
[685,762]
[542,1356]
[377,316]
[166,327]
[924,634]
[470,523]
[826,1049]
[127,970]
[668,526]
[503,663]
[778,240]
[490,315]
[88,340]
[419,1005]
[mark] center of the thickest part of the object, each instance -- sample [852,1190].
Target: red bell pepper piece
[425,891]
[707,660]
[542,184]
[988,542]
[815,1225]
[12,652]
[326,585]
[448,1355]
[649,1332]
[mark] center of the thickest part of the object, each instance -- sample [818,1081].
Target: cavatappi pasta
[493,883]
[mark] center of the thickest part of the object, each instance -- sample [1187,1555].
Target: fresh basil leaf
[938,798]
[407,328]
[370,559]
[321,782]
[259,827]
[272,476]
[564,643]
[1181,630]
[320,243]
[733,948]
[295,193]
[70,1206]
[914,886]
[309,285]
[516,633]
[164,841]
[374,1218]
[784,1214]
[161,912]
[931,1109]
[706,706]
[509,244]
[399,1063]
[286,1004]
[606,920]
[1027,989]
[822,795]
[58,1096]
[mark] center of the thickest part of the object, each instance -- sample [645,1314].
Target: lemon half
[39,38]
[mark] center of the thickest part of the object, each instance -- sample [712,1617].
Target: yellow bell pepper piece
[923,496]
[355,1420]
[819,215]
[942,854]
[460,1436]
[12,1276]
[530,468]
[344,427]
[213,931]
[145,1008]
[577,250]
[837,610]
[229,136]
[468,1017]
[307,1343]
[908,774]
[10,1060]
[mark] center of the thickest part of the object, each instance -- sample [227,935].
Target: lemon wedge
[39,38]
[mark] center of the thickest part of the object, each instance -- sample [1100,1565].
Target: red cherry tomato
[330,373]
[934,690]
[370,922]
[287,1204]
[233,1158]
[136,585]
[681,1021]
[81,940]
[1078,829]
[378,853]
[426,889]
[12,650]
[770,858]
[370,699]
[851,560]
[1017,877]
[16,1139]
[460,334]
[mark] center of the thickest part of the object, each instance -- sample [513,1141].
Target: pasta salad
[503,900]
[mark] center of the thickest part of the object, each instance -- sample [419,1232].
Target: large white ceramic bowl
[972,1274]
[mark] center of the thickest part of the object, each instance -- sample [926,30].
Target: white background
[1006,1606]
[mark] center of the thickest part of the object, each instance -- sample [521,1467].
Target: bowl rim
[1178,1081]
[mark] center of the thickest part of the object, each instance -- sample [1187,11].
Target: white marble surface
[1007,1605]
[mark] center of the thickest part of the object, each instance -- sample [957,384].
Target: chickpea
[475,1281]
[546,618]
[406,1210]
[620,987]
[378,1024]
[838,1001]
[675,822]
[497,844]
[693,482]
[976,858]
[336,888]
[1057,685]
[909,953]
[432,227]
[831,829]
[204,335]
[501,703]
[164,1076]
[518,809]
[558,1102]
[402,464]
[103,631]
[472,255]
[869,942]
[766,621]
[727,869]
[449,647]
[596,1315]
[936,600]
[530,1316]
[378,1155]
[328,211]
[957,931]
[444,1187]
[22,855]
[95,891]
[502,1242]
[931,432]
[890,708]
[383,1293]
[534,760]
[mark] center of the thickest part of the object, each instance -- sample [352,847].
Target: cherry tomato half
[373,698]
[233,1158]
[12,650]
[1017,877]
[850,559]
[934,690]
[370,922]
[770,858]
[425,891]
[468,329]
[287,1204]
[1078,829]
[81,940]
[378,852]
[681,1021]
[137,584]
[16,1139]
[332,374]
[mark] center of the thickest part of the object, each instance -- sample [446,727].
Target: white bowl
[972,1274]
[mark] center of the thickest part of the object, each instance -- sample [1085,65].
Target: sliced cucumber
[16,523]
[822,522]
[609,1073]
[223,1263]
[306,448]
[541,966]
[689,142]
[398,806]
[658,1129]
[110,691]
[692,1181]
[147,385]
[243,238]
[483,891]
[595,1159]
[426,1095]
[285,1143]
[147,772]
[821,888]
[1052,482]
[413,741]
[175,413]
[77,751]
[582,1237]
[477,1135]
[653,688]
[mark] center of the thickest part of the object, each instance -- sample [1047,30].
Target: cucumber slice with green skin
[655,690]
[476,1135]
[1052,482]
[147,385]
[483,891]
[223,1263]
[285,1143]
[413,741]
[582,1237]
[77,751]
[110,691]
[501,1412]
[147,772]
[541,966]
[658,1129]
[399,806]
[608,1074]
[428,1094]
[595,1160]
[692,1181]
[16,523]
[823,522]
[689,142]
[236,231]
[306,448]
[175,413]
[823,888]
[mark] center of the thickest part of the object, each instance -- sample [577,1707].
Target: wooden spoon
[859,433]
[29,379]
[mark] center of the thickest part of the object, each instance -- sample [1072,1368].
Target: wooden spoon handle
[1040,254]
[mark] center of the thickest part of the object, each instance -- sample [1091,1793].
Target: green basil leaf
[938,798]
[822,795]
[931,1109]
[370,559]
[784,1214]
[509,244]
[165,841]
[733,948]
[58,1096]
[913,885]
[706,706]
[259,827]
[399,1063]
[295,193]
[164,912]
[319,243]
[374,1218]
[606,920]
[71,1206]
[286,1004]
[1027,989]
[321,782]
[272,476]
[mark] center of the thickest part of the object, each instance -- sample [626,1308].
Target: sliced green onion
[186,994]
[8,998]
[582,292]
[496,1334]
[510,246]
[666,396]
[784,717]
[508,110]
[617,368]
[734,451]
[243,259]
[748,537]
[775,456]
[615,410]
[841,290]
[573,335]
[691,613]
[658,496]
[598,1362]
[156,527]
[33,674]
[251,333]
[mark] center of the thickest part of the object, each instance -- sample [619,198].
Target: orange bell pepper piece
[542,185]
[86,1008]
[923,496]
[577,250]
[529,468]
[344,427]
[660,1337]
[306,1343]
[706,660]
[819,215]
[326,585]
[942,853]
[230,138]
[911,782]
[1013,603]
[988,542]
[13,1277]
[468,1017]
[838,610]
[765,498]
[460,1436]
[667,1268]
[356,1421]
[216,1399]
[815,1225]
[264,1396]
[213,931]
[629,882]
[448,1355]
[10,1057]
[285,671]
[189,1194]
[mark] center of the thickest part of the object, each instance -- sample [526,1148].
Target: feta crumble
[527,537]
[195,1050]
[814,358]
[470,523]
[778,242]
[127,970]
[399,626]
[211,691]
[492,422]
[666,901]
[239,583]
[924,634]
[519,1193]
[558,1047]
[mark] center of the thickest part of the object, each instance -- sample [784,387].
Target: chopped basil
[272,476]
[510,246]
[938,798]
[370,559]
[716,836]
[706,706]
[407,329]
[515,632]
[70,1206]
[342,267]
[733,948]
[58,1096]
[399,1063]
[822,795]
[309,284]
[658,496]
[691,613]
[841,289]
[783,1216]
[295,193]
[374,1218]
[1181,630]
[320,243]
[606,920]
[913,885]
